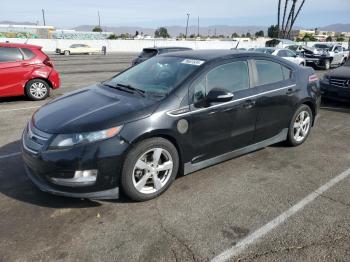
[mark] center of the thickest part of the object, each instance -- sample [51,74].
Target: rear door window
[268,72]
[10,54]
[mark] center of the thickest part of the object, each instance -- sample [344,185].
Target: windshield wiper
[134,89]
[116,87]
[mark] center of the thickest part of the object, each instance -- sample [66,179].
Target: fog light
[81,178]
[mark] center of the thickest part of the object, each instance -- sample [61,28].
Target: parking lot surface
[201,216]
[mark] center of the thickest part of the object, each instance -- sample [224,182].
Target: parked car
[147,53]
[284,53]
[336,83]
[78,49]
[179,111]
[26,70]
[324,56]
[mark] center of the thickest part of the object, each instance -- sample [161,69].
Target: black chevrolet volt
[173,114]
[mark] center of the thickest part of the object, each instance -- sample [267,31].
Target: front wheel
[66,52]
[300,126]
[149,169]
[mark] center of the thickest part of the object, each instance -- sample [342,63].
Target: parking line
[250,239]
[10,155]
[17,109]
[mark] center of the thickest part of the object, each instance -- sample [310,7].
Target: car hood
[91,109]
[340,72]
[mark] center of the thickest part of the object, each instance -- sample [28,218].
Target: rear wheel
[37,89]
[300,126]
[149,169]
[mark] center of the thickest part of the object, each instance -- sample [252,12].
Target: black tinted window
[28,54]
[287,73]
[268,72]
[147,53]
[10,54]
[232,77]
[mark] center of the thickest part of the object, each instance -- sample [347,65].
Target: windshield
[264,50]
[158,75]
[322,46]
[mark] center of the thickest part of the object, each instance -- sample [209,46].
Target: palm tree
[278,16]
[284,15]
[295,17]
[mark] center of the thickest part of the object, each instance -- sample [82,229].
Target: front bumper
[333,92]
[105,156]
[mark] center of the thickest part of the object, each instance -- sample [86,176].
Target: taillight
[313,78]
[48,62]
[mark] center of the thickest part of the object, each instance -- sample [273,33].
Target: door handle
[290,92]
[249,103]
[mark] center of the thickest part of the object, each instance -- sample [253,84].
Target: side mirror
[218,94]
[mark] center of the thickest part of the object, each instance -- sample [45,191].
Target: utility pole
[99,19]
[43,11]
[198,27]
[188,18]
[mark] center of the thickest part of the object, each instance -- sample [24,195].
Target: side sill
[190,168]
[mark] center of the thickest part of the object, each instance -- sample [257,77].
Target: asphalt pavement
[256,207]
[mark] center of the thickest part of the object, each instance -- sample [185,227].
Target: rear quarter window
[28,54]
[10,54]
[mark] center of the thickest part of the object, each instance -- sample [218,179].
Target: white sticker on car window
[192,62]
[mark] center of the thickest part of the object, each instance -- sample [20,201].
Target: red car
[26,70]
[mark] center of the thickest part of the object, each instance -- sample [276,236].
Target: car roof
[210,55]
[169,47]
[19,45]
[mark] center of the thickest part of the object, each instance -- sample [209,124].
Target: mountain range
[176,30]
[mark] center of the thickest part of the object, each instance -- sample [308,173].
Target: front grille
[34,139]
[338,82]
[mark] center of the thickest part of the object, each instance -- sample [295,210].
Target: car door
[218,128]
[338,55]
[275,89]
[12,71]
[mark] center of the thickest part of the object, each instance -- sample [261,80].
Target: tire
[66,52]
[37,89]
[295,137]
[301,64]
[140,164]
[327,64]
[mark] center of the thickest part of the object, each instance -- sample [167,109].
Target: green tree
[161,32]
[97,29]
[249,34]
[340,39]
[309,37]
[112,37]
[329,39]
[235,35]
[243,35]
[260,33]
[272,31]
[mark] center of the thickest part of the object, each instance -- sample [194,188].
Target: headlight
[67,140]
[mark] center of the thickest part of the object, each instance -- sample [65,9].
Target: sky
[155,13]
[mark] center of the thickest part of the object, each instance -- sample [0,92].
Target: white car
[284,53]
[78,49]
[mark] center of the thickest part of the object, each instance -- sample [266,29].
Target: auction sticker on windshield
[192,62]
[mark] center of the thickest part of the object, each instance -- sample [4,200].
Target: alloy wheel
[38,90]
[301,126]
[152,171]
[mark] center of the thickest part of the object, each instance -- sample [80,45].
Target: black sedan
[336,84]
[174,113]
